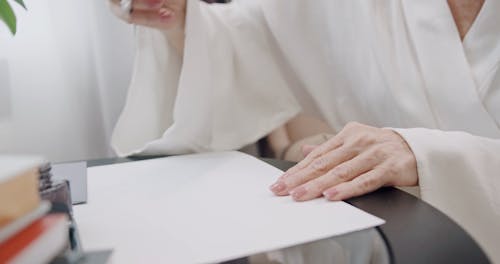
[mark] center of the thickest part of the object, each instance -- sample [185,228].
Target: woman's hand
[159,14]
[166,15]
[358,160]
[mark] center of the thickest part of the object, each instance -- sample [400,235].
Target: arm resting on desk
[459,174]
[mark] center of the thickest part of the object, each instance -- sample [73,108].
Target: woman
[225,75]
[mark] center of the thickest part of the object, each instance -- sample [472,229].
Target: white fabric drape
[63,79]
[195,104]
[397,63]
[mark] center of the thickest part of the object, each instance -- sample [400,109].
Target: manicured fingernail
[330,194]
[298,193]
[164,13]
[278,187]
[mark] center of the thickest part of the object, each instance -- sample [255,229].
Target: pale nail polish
[164,13]
[298,193]
[278,187]
[330,194]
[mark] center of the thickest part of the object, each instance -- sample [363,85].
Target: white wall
[63,79]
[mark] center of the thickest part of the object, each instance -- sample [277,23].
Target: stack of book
[27,233]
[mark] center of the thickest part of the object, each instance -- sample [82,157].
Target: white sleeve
[459,173]
[225,92]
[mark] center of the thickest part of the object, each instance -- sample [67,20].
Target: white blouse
[250,66]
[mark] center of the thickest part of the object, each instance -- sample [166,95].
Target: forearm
[176,39]
[458,173]
[287,141]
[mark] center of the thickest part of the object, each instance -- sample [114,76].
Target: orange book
[40,242]
[18,187]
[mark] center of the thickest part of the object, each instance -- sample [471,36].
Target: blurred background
[63,79]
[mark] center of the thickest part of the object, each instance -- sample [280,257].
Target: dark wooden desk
[414,232]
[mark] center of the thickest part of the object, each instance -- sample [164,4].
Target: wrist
[175,37]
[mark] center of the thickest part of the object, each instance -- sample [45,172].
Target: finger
[363,184]
[143,4]
[332,144]
[344,172]
[306,149]
[147,4]
[315,169]
[117,10]
[157,19]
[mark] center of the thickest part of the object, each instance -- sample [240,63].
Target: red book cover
[40,242]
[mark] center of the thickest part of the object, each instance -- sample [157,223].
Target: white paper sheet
[201,208]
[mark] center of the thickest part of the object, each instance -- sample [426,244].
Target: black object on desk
[414,232]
